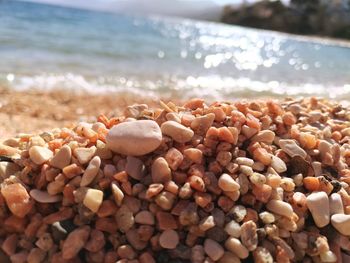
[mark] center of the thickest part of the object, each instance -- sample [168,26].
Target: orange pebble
[226,135]
[289,119]
[262,193]
[261,155]
[311,183]
[196,183]
[212,133]
[194,104]
[121,176]
[107,208]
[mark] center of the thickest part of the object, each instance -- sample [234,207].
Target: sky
[206,9]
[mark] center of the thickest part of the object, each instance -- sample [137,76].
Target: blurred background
[177,48]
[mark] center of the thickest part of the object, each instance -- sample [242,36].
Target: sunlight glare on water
[53,47]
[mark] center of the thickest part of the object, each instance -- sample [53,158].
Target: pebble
[17,199]
[7,169]
[202,123]
[266,136]
[213,249]
[44,197]
[75,242]
[161,172]
[318,204]
[39,154]
[135,168]
[169,239]
[291,148]
[117,194]
[91,171]
[229,257]
[145,218]
[236,247]
[341,223]
[206,223]
[134,138]
[245,161]
[194,155]
[249,236]
[62,158]
[233,229]
[227,183]
[124,218]
[174,158]
[335,204]
[280,208]
[93,199]
[278,164]
[84,155]
[177,131]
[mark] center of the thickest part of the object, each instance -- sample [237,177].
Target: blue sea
[48,47]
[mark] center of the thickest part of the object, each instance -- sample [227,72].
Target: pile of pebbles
[259,181]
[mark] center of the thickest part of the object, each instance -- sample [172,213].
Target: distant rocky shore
[307,17]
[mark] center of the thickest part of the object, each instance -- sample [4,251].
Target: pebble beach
[258,181]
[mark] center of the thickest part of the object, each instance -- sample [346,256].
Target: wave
[211,87]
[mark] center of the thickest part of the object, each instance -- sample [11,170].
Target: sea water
[49,47]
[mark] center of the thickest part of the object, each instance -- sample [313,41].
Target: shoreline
[33,111]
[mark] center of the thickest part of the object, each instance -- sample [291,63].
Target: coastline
[33,111]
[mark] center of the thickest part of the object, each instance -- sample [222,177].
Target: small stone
[266,136]
[93,199]
[177,131]
[124,218]
[174,158]
[7,169]
[134,138]
[328,257]
[135,167]
[169,239]
[318,204]
[291,148]
[195,155]
[134,240]
[166,221]
[145,218]
[341,223]
[117,193]
[75,242]
[84,155]
[202,123]
[213,249]
[278,164]
[206,223]
[62,158]
[165,200]
[227,183]
[44,197]
[17,199]
[262,255]
[249,236]
[161,172]
[280,208]
[335,204]
[91,171]
[235,246]
[229,257]
[238,212]
[267,217]
[245,161]
[233,229]
[39,154]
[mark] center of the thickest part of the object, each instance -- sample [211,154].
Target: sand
[34,111]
